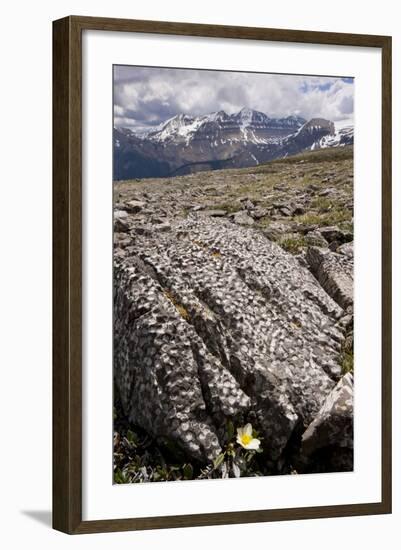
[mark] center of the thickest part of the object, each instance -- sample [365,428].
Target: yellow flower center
[245,438]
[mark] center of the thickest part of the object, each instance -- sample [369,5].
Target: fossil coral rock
[213,321]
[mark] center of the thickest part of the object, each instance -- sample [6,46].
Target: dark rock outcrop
[332,428]
[334,272]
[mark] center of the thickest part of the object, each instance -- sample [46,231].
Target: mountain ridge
[185,144]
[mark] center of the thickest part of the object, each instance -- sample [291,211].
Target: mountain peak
[179,119]
[216,116]
[249,114]
[245,115]
[321,124]
[246,112]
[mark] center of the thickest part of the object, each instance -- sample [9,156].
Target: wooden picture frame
[67,274]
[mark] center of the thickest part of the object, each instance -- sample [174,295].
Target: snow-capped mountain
[185,144]
[340,138]
[219,127]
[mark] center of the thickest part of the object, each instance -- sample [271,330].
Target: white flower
[246,439]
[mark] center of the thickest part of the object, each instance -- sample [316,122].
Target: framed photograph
[222,275]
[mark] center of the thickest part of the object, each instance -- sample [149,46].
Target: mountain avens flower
[246,439]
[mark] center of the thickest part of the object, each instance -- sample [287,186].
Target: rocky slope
[186,144]
[233,302]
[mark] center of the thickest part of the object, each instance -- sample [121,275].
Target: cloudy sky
[146,96]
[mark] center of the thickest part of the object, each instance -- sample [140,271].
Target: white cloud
[146,95]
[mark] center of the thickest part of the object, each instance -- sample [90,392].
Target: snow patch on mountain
[342,137]
[178,126]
